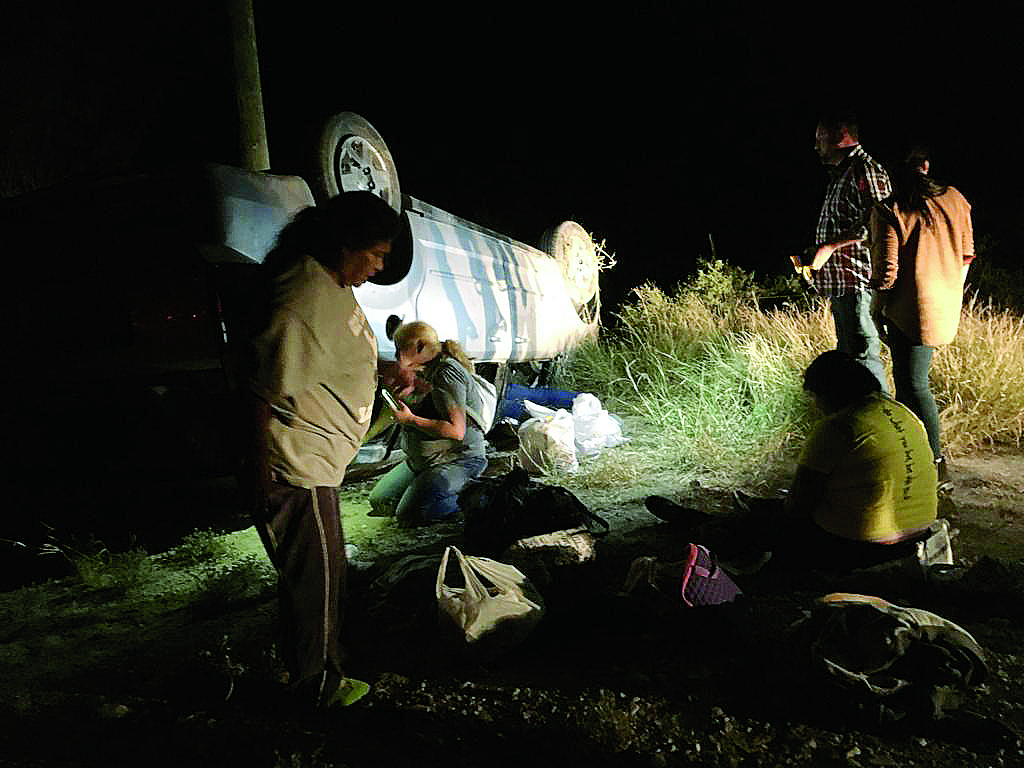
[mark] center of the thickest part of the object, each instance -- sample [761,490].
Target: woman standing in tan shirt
[922,242]
[312,392]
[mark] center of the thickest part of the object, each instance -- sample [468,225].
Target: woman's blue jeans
[910,366]
[424,497]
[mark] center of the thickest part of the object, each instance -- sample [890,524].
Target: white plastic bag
[478,610]
[595,428]
[547,443]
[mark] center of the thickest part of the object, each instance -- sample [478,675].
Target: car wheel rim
[580,267]
[360,166]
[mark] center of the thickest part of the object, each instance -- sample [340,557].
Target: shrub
[198,547]
[96,566]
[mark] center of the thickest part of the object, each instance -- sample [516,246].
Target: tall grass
[709,382]
[978,380]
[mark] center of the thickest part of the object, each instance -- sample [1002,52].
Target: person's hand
[821,255]
[402,414]
[798,266]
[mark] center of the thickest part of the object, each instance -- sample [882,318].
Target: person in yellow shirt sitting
[864,491]
[866,478]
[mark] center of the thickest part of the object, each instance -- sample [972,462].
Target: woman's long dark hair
[354,220]
[912,187]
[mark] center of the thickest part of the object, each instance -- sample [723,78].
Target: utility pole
[253,151]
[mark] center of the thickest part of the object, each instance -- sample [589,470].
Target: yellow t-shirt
[881,474]
[318,371]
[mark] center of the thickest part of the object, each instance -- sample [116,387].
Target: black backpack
[499,511]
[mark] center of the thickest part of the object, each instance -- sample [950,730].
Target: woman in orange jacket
[922,243]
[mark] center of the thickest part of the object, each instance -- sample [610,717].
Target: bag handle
[506,578]
[590,518]
[690,562]
[442,571]
[691,566]
[474,586]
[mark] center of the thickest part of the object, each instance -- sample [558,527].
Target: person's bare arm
[824,252]
[813,258]
[453,428]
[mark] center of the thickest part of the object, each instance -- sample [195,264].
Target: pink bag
[704,582]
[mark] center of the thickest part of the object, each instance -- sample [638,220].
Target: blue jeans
[856,332]
[910,365]
[424,497]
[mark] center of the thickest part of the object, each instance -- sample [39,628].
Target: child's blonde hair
[422,336]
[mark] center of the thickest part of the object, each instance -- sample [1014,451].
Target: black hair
[835,121]
[911,187]
[353,220]
[839,379]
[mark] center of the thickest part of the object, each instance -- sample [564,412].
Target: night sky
[653,129]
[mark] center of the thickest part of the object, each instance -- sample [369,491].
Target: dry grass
[978,380]
[710,384]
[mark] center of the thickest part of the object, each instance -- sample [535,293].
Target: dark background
[661,131]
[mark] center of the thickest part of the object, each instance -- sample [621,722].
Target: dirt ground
[605,679]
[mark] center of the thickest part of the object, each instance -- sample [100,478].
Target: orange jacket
[920,268]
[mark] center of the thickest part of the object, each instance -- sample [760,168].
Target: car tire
[574,250]
[353,156]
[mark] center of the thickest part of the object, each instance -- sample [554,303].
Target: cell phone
[390,399]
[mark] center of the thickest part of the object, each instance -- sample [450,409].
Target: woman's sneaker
[937,547]
[348,692]
[944,478]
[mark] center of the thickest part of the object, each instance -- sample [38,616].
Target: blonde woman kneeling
[443,443]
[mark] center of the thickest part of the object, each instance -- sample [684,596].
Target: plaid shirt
[859,183]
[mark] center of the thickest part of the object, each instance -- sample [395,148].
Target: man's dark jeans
[856,333]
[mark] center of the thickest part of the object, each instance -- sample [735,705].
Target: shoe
[936,548]
[945,481]
[746,564]
[348,692]
[670,512]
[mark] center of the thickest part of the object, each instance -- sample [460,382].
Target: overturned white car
[504,300]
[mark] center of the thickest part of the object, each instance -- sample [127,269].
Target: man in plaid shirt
[840,262]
